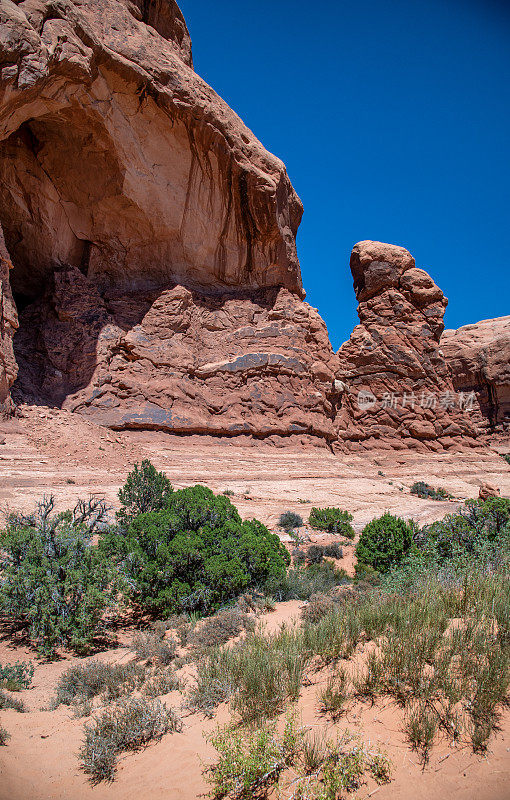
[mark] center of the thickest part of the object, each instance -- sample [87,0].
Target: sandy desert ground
[49,451]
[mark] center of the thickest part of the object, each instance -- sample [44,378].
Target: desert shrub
[333,550]
[4,736]
[128,725]
[298,556]
[301,582]
[425,491]
[152,647]
[16,677]
[384,542]
[317,607]
[290,520]
[506,456]
[258,675]
[332,520]
[315,554]
[251,761]
[181,624]
[421,728]
[53,580]
[333,696]
[85,681]
[196,554]
[160,682]
[145,490]
[466,533]
[218,629]
[6,701]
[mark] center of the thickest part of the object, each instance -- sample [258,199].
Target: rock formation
[152,245]
[398,388]
[479,358]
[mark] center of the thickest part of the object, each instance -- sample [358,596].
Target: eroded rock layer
[479,358]
[398,389]
[257,363]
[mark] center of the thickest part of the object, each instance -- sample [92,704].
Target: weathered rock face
[479,358]
[398,388]
[8,324]
[257,363]
[117,158]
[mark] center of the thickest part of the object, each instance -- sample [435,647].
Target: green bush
[53,580]
[384,542]
[196,554]
[16,677]
[290,520]
[425,491]
[332,520]
[129,725]
[145,490]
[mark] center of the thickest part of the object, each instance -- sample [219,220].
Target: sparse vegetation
[302,581]
[333,550]
[315,554]
[6,701]
[425,491]
[218,629]
[332,520]
[317,607]
[127,725]
[18,676]
[506,456]
[333,696]
[290,520]
[149,646]
[86,681]
[4,736]
[160,683]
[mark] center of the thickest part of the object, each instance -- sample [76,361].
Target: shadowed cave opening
[55,171]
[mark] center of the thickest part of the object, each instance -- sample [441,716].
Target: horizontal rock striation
[479,359]
[398,389]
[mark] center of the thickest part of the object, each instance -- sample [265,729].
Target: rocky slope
[479,358]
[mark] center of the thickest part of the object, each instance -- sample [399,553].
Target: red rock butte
[148,264]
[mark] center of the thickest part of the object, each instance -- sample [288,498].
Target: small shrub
[160,683]
[301,582]
[314,752]
[4,736]
[333,550]
[181,624]
[317,607]
[425,491]
[384,542]
[228,492]
[54,581]
[251,761]
[315,554]
[289,520]
[332,520]
[421,728]
[298,556]
[6,701]
[129,725]
[333,696]
[369,679]
[151,647]
[506,456]
[86,681]
[18,676]
[145,490]
[220,628]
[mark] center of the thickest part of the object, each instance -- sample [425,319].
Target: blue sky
[393,119]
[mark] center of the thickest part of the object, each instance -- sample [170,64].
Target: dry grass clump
[83,682]
[334,695]
[151,646]
[217,630]
[160,683]
[127,725]
[317,607]
[6,701]
[4,736]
